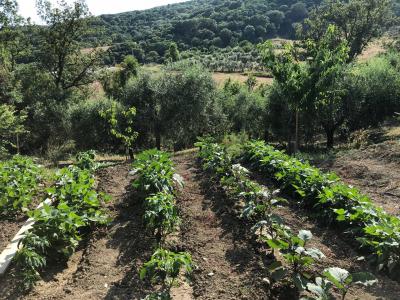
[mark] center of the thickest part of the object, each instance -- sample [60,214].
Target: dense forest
[200,24]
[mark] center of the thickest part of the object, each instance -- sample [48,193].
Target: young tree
[290,75]
[357,21]
[125,133]
[11,126]
[61,54]
[327,64]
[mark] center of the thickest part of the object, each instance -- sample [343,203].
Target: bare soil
[375,170]
[228,266]
[8,229]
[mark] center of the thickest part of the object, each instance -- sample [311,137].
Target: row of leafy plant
[73,207]
[156,180]
[331,200]
[19,181]
[293,258]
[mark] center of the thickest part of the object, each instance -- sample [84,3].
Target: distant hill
[198,25]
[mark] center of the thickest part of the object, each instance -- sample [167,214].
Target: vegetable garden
[255,189]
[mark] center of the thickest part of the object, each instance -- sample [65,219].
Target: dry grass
[393,132]
[373,49]
[90,50]
[220,78]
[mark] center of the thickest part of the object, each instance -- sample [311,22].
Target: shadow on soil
[135,245]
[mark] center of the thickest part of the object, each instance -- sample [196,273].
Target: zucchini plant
[57,230]
[19,180]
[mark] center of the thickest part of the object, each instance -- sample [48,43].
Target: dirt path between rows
[228,267]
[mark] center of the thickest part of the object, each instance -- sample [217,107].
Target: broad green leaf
[305,235]
[337,276]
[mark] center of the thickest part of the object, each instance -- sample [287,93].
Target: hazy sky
[97,7]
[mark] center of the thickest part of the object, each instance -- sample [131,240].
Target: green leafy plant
[343,280]
[155,172]
[125,133]
[165,267]
[320,289]
[336,203]
[57,230]
[86,160]
[19,180]
[161,214]
[297,256]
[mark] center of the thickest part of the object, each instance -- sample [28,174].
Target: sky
[97,7]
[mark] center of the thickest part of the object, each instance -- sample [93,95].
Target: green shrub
[89,129]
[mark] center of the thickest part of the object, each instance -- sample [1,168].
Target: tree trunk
[296,145]
[158,140]
[329,138]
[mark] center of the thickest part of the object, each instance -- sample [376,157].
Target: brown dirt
[338,251]
[227,265]
[372,173]
[9,229]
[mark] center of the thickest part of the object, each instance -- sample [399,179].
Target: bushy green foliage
[161,214]
[57,230]
[174,107]
[19,179]
[200,24]
[245,109]
[89,130]
[165,266]
[336,202]
[373,91]
[155,172]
